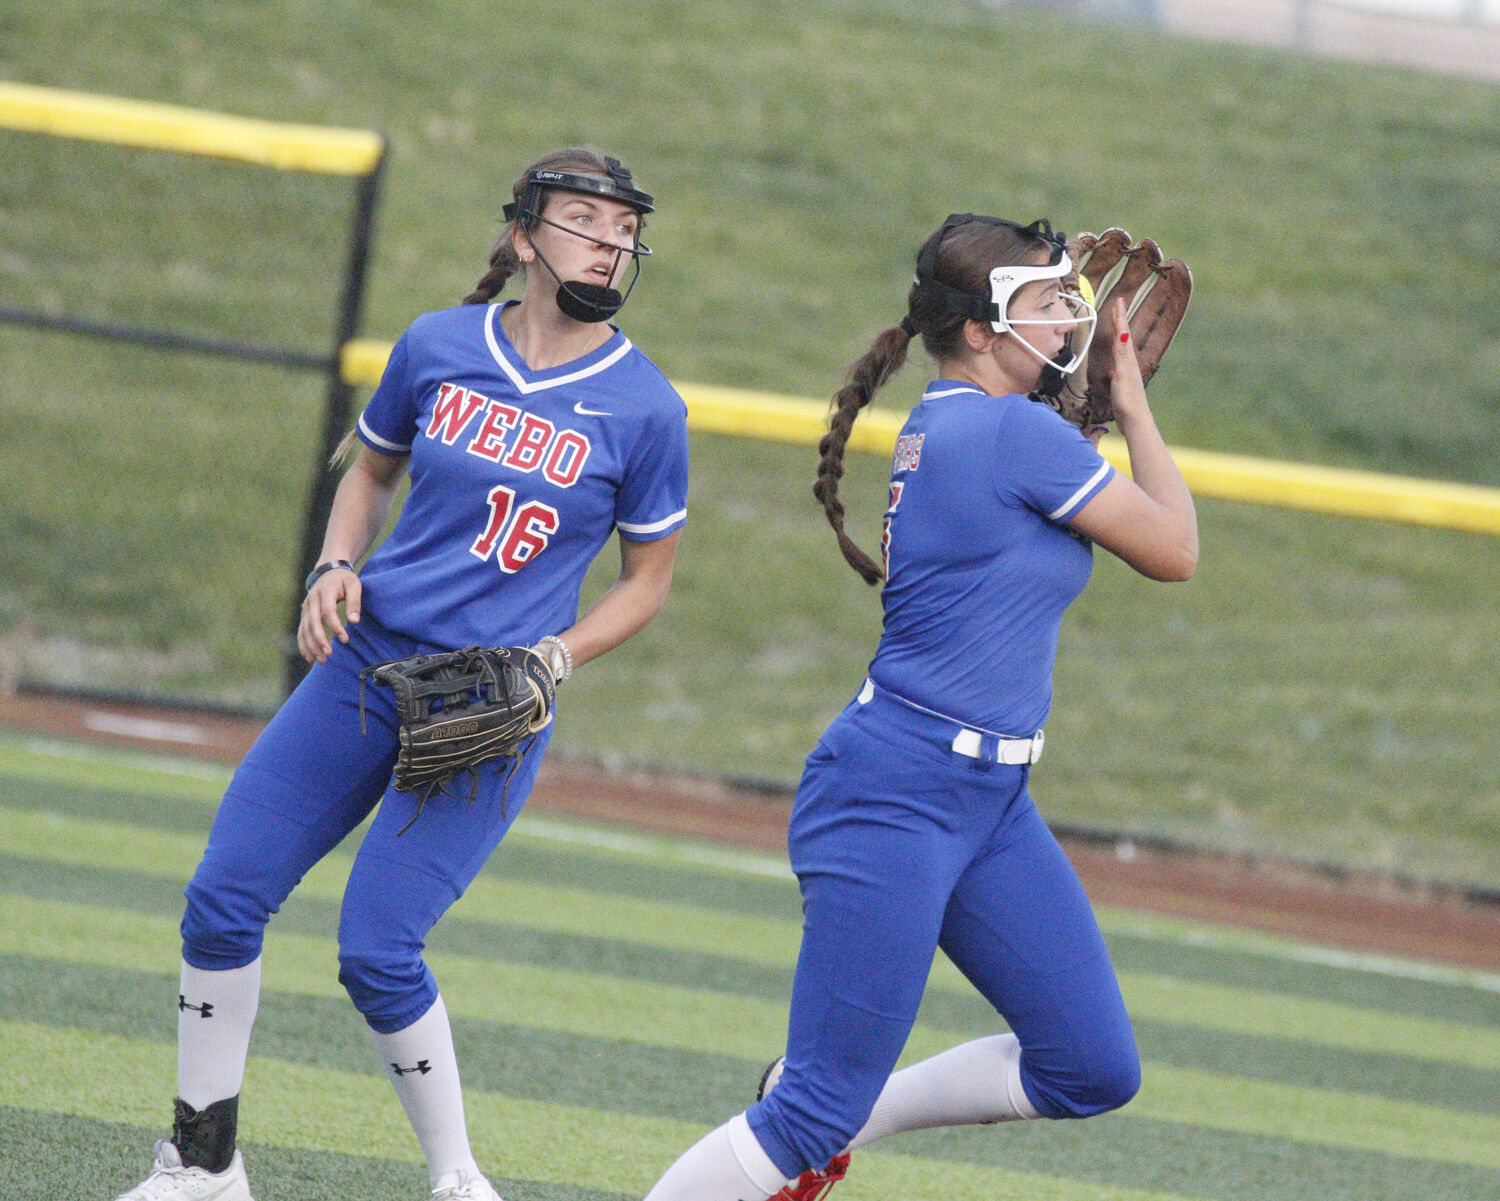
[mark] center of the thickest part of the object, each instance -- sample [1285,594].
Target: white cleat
[172,1180]
[464,1186]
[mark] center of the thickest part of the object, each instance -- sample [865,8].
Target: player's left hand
[1112,266]
[1126,387]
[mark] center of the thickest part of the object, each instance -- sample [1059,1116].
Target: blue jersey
[979,565]
[518,477]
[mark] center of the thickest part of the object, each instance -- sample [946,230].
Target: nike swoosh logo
[583,412]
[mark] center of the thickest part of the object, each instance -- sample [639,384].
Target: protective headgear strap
[979,308]
[619,186]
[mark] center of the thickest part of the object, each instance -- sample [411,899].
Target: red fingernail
[1125,337]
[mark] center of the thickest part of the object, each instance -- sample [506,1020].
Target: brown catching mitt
[1156,293]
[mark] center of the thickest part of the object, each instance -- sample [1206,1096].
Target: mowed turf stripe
[46,760]
[497,942]
[544,850]
[101,782]
[549,999]
[714,1023]
[121,1001]
[1180,1046]
[671,927]
[1212,956]
[1324,1116]
[109,1078]
[127,1080]
[74,842]
[570,1070]
[1141,926]
[1332,1024]
[767,942]
[521,1061]
[1305,1065]
[1143,1153]
[87,781]
[49,1156]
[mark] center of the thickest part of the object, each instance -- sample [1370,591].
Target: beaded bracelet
[562,653]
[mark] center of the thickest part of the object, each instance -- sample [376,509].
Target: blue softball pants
[308,781]
[901,846]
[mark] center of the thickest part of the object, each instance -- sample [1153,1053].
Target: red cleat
[813,1186]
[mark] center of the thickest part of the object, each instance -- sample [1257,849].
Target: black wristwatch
[323,569]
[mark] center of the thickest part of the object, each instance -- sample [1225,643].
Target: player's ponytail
[866,376]
[503,264]
[960,257]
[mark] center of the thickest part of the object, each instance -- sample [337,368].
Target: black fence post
[336,408]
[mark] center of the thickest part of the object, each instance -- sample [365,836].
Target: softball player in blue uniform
[913,827]
[531,431]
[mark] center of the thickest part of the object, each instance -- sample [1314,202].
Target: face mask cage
[585,302]
[1004,282]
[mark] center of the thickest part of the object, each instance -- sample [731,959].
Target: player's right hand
[320,613]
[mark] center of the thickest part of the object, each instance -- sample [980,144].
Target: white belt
[1013,751]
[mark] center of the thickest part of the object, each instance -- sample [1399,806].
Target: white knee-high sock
[420,1062]
[727,1164]
[968,1085]
[215,1013]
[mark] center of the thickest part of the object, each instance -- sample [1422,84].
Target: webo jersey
[980,564]
[518,477]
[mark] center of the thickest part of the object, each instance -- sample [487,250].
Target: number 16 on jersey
[520,535]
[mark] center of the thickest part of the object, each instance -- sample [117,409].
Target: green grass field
[1323,690]
[615,995]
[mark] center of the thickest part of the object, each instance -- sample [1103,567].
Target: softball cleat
[173,1180]
[811,1185]
[464,1186]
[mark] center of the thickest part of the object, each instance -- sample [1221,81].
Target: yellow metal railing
[152,126]
[713,410]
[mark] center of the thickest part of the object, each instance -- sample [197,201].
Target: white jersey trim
[630,527]
[384,443]
[952,392]
[1066,507]
[525,387]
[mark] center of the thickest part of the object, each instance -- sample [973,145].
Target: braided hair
[963,261]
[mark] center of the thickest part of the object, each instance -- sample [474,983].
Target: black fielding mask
[590,302]
[1050,385]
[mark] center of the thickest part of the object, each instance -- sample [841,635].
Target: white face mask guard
[1005,282]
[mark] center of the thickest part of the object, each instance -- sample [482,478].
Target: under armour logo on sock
[206,1010]
[422,1066]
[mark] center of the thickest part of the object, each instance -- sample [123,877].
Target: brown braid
[868,374]
[503,264]
[963,262]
